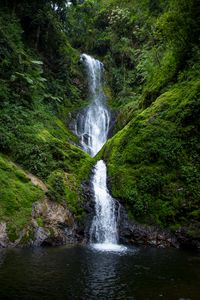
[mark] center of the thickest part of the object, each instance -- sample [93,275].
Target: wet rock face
[184,237]
[58,225]
[89,208]
[131,232]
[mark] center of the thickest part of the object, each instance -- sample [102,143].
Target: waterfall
[92,128]
[93,124]
[104,225]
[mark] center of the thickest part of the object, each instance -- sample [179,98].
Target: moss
[152,70]
[194,233]
[57,186]
[41,143]
[152,165]
[40,85]
[65,188]
[27,237]
[40,222]
[16,197]
[12,233]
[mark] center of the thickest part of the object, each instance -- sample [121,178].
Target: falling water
[93,124]
[92,129]
[104,225]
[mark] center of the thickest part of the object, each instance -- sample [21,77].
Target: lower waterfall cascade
[92,128]
[104,225]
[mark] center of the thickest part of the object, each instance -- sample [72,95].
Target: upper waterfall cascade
[92,127]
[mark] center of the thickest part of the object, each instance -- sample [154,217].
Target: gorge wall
[150,50]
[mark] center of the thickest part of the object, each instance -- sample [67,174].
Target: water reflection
[2,256]
[87,274]
[103,280]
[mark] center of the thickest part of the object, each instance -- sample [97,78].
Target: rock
[58,228]
[52,223]
[89,208]
[131,232]
[40,235]
[3,236]
[189,236]
[37,182]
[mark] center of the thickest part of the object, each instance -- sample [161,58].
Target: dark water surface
[85,273]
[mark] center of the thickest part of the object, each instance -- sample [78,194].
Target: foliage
[151,54]
[150,50]
[40,84]
[154,161]
[63,187]
[17,196]
[143,44]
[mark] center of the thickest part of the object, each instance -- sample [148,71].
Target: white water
[93,125]
[92,128]
[104,225]
[104,231]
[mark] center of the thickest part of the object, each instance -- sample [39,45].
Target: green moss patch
[17,196]
[153,163]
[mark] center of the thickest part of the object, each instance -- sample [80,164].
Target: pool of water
[90,273]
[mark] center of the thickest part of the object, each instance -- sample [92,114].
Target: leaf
[37,62]
[58,99]
[25,76]
[42,79]
[29,80]
[13,78]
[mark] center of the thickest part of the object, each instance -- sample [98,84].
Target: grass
[17,196]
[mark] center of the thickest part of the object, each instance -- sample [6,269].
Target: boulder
[58,225]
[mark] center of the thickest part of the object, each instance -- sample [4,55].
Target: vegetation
[151,52]
[157,156]
[17,196]
[153,56]
[40,84]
